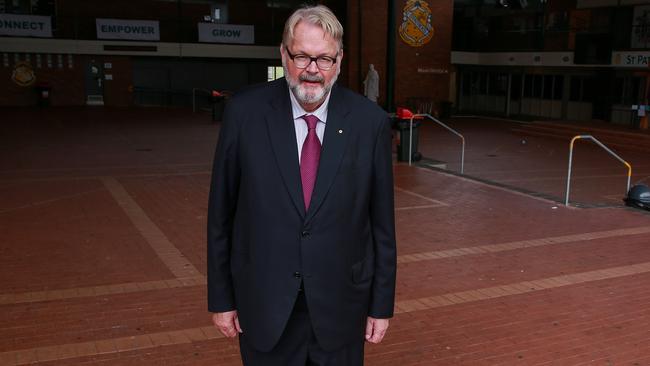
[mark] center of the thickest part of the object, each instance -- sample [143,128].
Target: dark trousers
[298,346]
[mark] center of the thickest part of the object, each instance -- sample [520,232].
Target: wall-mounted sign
[226,33]
[25,25]
[416,29]
[139,30]
[432,70]
[23,74]
[630,59]
[641,27]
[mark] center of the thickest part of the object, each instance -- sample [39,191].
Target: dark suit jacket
[262,243]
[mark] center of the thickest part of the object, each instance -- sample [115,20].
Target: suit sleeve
[222,204]
[382,218]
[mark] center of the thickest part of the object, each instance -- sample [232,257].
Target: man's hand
[227,323]
[376,329]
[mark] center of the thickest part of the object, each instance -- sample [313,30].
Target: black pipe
[390,58]
[360,47]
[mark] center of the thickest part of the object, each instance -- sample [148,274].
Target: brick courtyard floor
[102,248]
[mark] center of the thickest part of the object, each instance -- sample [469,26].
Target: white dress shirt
[301,125]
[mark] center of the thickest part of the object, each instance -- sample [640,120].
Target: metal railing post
[411,139]
[193,100]
[194,90]
[589,137]
[568,179]
[462,138]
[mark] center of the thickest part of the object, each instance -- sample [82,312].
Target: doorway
[94,83]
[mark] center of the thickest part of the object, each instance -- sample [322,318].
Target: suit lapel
[334,141]
[283,139]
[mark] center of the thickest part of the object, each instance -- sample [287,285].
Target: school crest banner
[416,29]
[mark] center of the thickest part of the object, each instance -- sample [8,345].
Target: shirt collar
[298,111]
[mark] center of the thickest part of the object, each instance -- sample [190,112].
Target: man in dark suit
[301,238]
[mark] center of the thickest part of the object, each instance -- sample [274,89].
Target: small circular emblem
[23,74]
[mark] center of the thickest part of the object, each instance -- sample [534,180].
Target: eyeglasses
[303,61]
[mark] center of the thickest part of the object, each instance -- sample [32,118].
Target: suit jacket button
[305,234]
[296,274]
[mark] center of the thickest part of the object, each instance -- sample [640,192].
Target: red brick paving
[76,223]
[178,205]
[462,299]
[538,164]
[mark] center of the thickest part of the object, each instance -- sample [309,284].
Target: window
[498,84]
[537,86]
[588,89]
[548,86]
[286,4]
[553,87]
[528,86]
[575,93]
[582,89]
[515,87]
[626,90]
[466,83]
[558,93]
[483,83]
[274,72]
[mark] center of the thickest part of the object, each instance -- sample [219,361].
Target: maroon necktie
[309,157]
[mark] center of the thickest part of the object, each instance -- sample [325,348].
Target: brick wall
[421,72]
[66,82]
[432,59]
[365,43]
[117,91]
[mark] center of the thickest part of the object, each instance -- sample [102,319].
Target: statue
[371,84]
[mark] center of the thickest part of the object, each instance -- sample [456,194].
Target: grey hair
[319,15]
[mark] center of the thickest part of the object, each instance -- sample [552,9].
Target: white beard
[310,95]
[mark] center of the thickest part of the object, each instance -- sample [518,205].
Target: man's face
[311,84]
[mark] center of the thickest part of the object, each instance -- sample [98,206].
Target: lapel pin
[340,131]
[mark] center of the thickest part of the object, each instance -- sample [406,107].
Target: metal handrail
[194,90]
[568,179]
[462,153]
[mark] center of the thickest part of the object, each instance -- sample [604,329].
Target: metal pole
[390,58]
[179,20]
[508,92]
[629,167]
[568,179]
[359,43]
[193,100]
[462,157]
[462,138]
[411,139]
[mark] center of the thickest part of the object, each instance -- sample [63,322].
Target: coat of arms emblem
[23,74]
[416,28]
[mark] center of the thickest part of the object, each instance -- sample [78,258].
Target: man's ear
[339,58]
